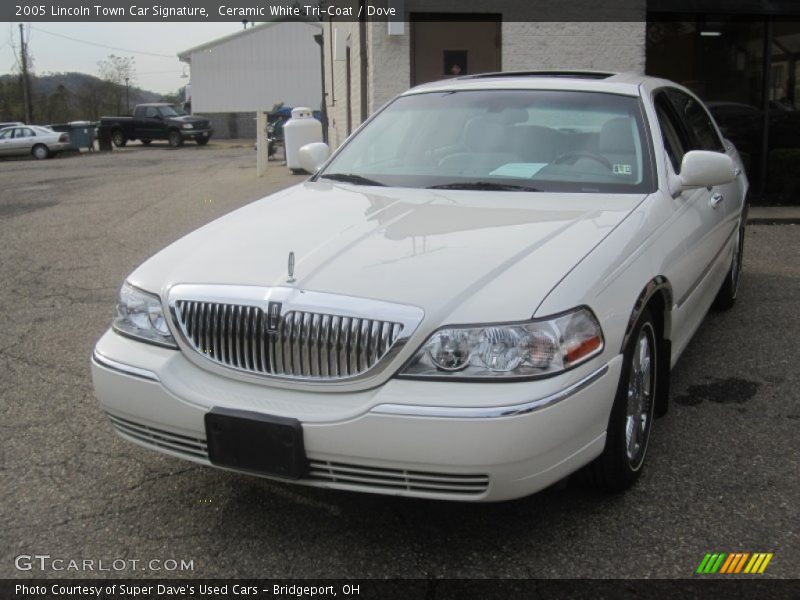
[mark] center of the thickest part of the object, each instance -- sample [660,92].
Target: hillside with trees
[64,97]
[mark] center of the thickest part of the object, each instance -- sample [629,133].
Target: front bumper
[191,134]
[453,441]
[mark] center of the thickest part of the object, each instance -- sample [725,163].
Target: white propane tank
[298,131]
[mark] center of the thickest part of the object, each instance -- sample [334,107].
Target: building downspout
[320,39]
[362,50]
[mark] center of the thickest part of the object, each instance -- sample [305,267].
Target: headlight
[187,126]
[510,350]
[139,315]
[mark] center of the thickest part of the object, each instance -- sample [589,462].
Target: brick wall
[336,82]
[526,45]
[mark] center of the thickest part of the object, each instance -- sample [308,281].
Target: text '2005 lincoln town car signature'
[482,291]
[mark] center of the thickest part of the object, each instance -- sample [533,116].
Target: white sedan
[32,140]
[481,292]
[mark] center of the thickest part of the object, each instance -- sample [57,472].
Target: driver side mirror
[702,168]
[312,156]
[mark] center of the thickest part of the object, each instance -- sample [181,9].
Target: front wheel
[175,139]
[628,433]
[40,152]
[119,139]
[726,297]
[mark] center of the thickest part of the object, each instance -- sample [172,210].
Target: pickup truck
[158,121]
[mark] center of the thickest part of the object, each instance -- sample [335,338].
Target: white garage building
[253,70]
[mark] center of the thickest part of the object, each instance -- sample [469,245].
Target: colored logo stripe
[723,563]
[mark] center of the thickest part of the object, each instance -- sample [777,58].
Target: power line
[66,37]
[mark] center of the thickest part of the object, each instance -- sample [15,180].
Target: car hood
[468,256]
[187,119]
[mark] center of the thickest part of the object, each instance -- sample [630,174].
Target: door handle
[716,200]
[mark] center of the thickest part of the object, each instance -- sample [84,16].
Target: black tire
[175,138]
[119,139]
[202,141]
[40,152]
[623,457]
[726,297]
[147,142]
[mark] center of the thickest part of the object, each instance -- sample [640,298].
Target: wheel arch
[41,145]
[656,296]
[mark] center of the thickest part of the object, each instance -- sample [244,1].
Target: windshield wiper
[351,178]
[484,185]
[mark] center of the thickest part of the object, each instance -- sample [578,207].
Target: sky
[162,74]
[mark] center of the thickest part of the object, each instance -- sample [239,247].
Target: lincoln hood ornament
[291,268]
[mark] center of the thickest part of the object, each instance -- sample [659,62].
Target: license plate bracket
[255,442]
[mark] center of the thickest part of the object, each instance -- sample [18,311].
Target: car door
[702,129]
[152,124]
[6,141]
[23,140]
[698,226]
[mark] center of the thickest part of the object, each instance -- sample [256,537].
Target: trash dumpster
[81,134]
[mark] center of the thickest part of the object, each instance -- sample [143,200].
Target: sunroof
[564,74]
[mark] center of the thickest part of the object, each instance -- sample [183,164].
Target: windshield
[514,140]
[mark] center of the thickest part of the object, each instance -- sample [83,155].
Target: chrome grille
[399,479]
[160,438]
[304,344]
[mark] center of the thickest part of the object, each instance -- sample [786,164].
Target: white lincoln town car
[482,291]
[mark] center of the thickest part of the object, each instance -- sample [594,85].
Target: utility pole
[127,96]
[26,93]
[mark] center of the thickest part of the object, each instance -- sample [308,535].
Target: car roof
[627,84]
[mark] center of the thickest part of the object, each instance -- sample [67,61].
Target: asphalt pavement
[723,472]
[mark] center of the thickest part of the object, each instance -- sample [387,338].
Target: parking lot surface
[723,472]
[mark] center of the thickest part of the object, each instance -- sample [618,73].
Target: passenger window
[4,135]
[674,143]
[150,112]
[697,122]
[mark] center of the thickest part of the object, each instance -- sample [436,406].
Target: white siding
[277,62]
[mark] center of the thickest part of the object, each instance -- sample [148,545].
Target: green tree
[119,74]
[59,105]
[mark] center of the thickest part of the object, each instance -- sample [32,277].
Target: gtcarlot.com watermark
[45,562]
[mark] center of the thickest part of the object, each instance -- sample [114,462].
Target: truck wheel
[175,139]
[118,138]
[40,152]
[201,141]
[146,142]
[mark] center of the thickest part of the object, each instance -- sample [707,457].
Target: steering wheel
[569,158]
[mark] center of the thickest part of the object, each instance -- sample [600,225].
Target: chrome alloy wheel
[641,385]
